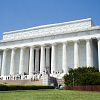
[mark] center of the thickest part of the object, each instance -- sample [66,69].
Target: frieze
[52,37]
[46,31]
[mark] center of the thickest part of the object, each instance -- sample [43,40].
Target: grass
[49,95]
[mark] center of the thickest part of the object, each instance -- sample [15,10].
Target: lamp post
[73,78]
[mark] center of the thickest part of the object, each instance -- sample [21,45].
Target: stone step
[60,81]
[20,82]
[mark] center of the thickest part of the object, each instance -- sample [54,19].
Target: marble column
[21,63]
[89,53]
[76,54]
[64,58]
[42,61]
[0,63]
[48,58]
[99,54]
[31,61]
[4,60]
[53,59]
[12,63]
[37,60]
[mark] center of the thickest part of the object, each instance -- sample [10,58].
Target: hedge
[82,76]
[23,87]
[84,88]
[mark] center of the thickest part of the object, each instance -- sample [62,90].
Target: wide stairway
[60,81]
[20,82]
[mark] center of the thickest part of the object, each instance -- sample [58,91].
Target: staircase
[20,82]
[60,81]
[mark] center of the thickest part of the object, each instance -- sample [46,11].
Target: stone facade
[53,48]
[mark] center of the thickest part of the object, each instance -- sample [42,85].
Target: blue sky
[19,14]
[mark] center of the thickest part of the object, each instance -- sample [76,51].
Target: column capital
[89,39]
[65,42]
[14,48]
[53,44]
[6,49]
[47,47]
[43,45]
[23,47]
[76,41]
[32,46]
[98,38]
[37,49]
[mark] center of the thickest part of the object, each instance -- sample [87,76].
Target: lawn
[49,95]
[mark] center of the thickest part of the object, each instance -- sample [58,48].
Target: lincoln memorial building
[54,48]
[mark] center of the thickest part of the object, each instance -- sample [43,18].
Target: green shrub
[90,79]
[82,76]
[23,87]
[3,87]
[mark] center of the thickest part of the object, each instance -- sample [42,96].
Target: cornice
[68,32]
[49,25]
[47,30]
[57,41]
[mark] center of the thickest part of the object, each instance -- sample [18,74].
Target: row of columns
[89,55]
[31,60]
[99,54]
[89,58]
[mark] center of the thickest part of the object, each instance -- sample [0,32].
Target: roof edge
[49,25]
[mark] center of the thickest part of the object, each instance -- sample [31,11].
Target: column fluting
[53,59]
[21,62]
[99,54]
[36,60]
[76,54]
[12,63]
[31,61]
[64,58]
[42,61]
[48,58]
[89,55]
[3,70]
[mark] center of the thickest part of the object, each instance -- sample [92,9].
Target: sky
[21,14]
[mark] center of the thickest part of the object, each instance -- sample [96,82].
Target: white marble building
[56,47]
